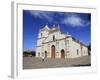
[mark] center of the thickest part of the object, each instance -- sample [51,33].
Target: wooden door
[62,53]
[53,51]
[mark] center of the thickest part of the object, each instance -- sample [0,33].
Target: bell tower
[43,33]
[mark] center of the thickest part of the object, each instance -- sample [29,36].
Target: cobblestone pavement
[36,63]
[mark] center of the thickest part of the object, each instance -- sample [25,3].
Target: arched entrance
[62,53]
[45,54]
[52,51]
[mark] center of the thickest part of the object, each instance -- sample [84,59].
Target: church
[52,43]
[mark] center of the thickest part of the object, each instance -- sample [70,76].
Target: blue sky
[76,24]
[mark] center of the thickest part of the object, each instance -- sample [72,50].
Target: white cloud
[69,18]
[74,21]
[42,15]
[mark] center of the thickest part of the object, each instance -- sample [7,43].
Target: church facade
[52,43]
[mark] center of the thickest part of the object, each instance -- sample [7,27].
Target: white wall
[5,43]
[49,38]
[74,46]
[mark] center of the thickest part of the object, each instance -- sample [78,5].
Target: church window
[77,52]
[53,37]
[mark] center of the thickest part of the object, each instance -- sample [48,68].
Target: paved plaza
[36,63]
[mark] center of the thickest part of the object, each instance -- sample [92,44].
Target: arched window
[53,37]
[45,54]
[77,52]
